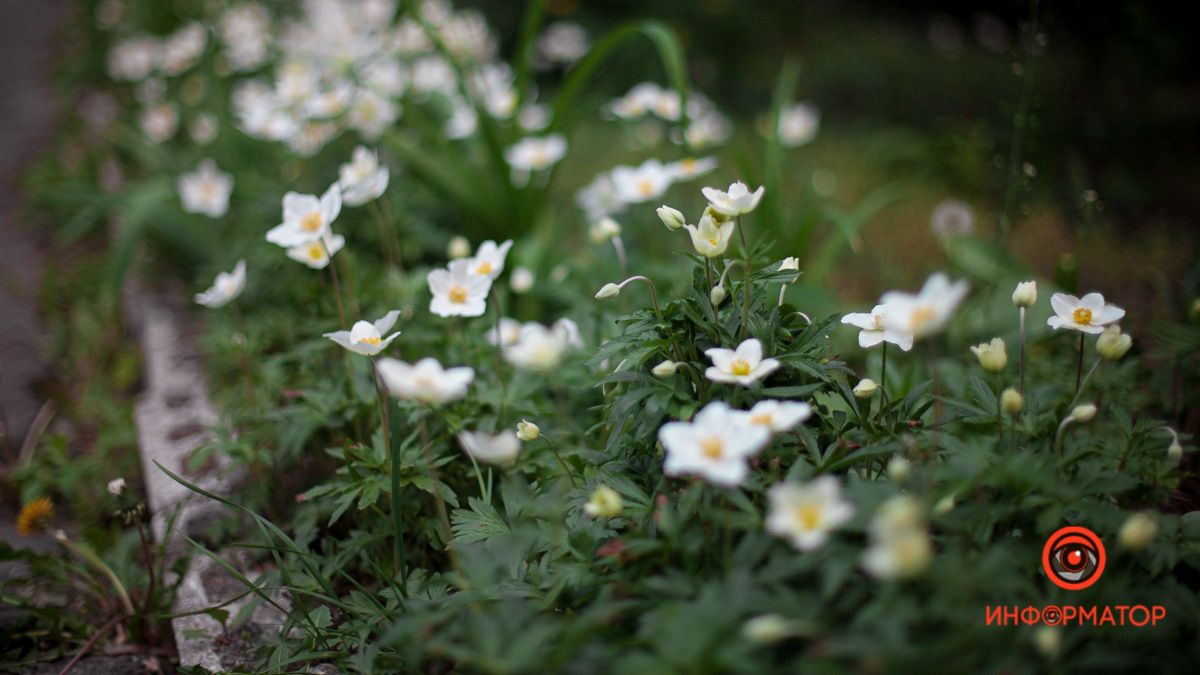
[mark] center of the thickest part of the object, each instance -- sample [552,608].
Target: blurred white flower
[952,216]
[778,416]
[306,218]
[225,289]
[499,449]
[1089,314]
[507,333]
[665,369]
[743,366]
[715,445]
[317,254]
[159,122]
[534,153]
[206,190]
[563,42]
[459,247]
[133,59]
[541,348]
[604,230]
[1113,344]
[928,311]
[533,117]
[993,356]
[366,338]
[605,502]
[709,238]
[637,102]
[363,178]
[599,198]
[900,546]
[458,290]
[116,486]
[865,388]
[738,200]
[183,48]
[1137,531]
[522,280]
[640,184]
[371,114]
[426,381]
[245,31]
[489,258]
[204,128]
[874,331]
[806,514]
[689,168]
[798,124]
[708,129]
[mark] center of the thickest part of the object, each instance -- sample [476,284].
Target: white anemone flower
[951,217]
[489,258]
[542,348]
[206,190]
[926,312]
[365,337]
[507,333]
[457,290]
[736,201]
[690,167]
[535,153]
[637,102]
[743,366]
[500,449]
[806,514]
[226,288]
[874,331]
[709,238]
[798,124]
[778,416]
[306,218]
[640,184]
[371,114]
[363,178]
[1089,314]
[159,122]
[425,381]
[715,445]
[317,254]
[563,42]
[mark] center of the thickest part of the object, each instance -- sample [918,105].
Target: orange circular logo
[1073,558]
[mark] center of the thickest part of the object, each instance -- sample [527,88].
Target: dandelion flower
[35,516]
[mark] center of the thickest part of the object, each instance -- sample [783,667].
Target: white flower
[159,122]
[500,449]
[715,445]
[459,247]
[317,254]
[1137,531]
[1088,314]
[791,264]
[637,102]
[927,312]
[226,287]
[1113,344]
[874,331]
[457,291]
[133,59]
[183,48]
[508,334]
[805,514]
[528,431]
[536,154]
[640,184]
[798,124]
[245,30]
[1011,401]
[1025,294]
[489,258]
[689,168]
[599,198]
[605,502]
[116,486]
[366,338]
[604,230]
[204,128]
[371,114]
[563,42]
[522,280]
[206,190]
[541,348]
[743,366]
[900,546]
[306,218]
[709,238]
[363,178]
[952,216]
[426,381]
[736,201]
[533,117]
[993,356]
[778,416]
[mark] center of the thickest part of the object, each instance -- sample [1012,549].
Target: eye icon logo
[1073,558]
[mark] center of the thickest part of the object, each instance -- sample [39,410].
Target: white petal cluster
[365,337]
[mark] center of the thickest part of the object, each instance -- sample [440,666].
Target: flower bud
[605,502]
[865,388]
[528,431]
[1137,531]
[993,356]
[1084,412]
[1175,453]
[116,486]
[1112,344]
[665,369]
[605,229]
[1011,401]
[791,263]
[944,505]
[898,468]
[717,295]
[1025,294]
[670,217]
[1047,640]
[766,629]
[459,248]
[608,291]
[522,280]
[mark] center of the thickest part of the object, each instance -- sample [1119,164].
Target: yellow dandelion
[35,516]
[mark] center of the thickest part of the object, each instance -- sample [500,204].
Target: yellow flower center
[688,165]
[763,419]
[371,340]
[712,447]
[316,252]
[808,515]
[311,222]
[713,241]
[458,295]
[921,316]
[646,188]
[484,267]
[1082,316]
[740,367]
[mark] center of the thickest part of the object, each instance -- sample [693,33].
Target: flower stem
[499,346]
[708,281]
[1079,367]
[619,247]
[883,396]
[1086,378]
[1021,312]
[149,569]
[561,462]
[745,281]
[393,449]
[337,286]
[439,502]
[95,561]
